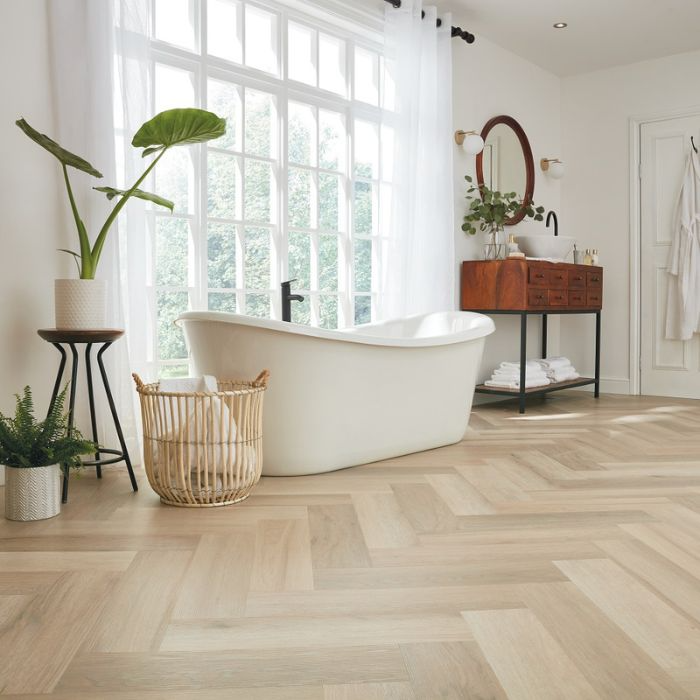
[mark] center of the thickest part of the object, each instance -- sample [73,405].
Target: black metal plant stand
[58,338]
[522,393]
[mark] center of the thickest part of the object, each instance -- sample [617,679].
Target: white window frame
[203,67]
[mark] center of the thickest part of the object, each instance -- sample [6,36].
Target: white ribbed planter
[32,493]
[80,304]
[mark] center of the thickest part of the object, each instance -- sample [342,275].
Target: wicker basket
[203,449]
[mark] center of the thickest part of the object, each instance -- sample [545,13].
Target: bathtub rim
[482,327]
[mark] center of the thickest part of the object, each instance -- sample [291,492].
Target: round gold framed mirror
[506,163]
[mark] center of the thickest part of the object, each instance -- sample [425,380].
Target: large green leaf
[112,192]
[176,127]
[64,156]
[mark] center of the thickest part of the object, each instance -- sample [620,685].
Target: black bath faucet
[556,222]
[287,299]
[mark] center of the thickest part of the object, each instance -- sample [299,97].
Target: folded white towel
[534,364]
[554,362]
[563,374]
[515,373]
[515,383]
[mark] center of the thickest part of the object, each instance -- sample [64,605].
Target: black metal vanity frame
[523,393]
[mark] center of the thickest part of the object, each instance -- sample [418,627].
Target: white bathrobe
[683,304]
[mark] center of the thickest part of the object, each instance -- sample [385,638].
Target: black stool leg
[59,376]
[71,415]
[91,400]
[115,416]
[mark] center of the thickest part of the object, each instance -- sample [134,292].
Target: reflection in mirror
[504,162]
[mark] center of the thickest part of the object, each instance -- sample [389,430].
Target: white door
[668,367]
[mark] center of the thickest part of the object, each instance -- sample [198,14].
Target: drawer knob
[539,275]
[595,279]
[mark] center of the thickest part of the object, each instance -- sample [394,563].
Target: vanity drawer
[594,279]
[594,297]
[577,297]
[558,279]
[538,297]
[558,297]
[538,276]
[577,280]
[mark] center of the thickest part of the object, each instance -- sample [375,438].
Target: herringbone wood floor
[552,555]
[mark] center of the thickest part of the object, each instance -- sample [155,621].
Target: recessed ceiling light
[560,25]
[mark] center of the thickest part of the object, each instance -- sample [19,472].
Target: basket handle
[261,379]
[139,384]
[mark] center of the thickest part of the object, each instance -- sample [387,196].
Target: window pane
[363,310]
[173,88]
[172,251]
[171,343]
[366,150]
[257,258]
[222,302]
[363,266]
[260,39]
[363,208]
[178,370]
[328,201]
[300,260]
[257,305]
[366,76]
[331,148]
[221,255]
[302,54]
[225,100]
[331,64]
[301,311]
[174,179]
[223,180]
[258,186]
[175,22]
[302,134]
[299,203]
[259,123]
[328,311]
[328,264]
[224,30]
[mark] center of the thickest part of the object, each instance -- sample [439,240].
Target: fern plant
[26,442]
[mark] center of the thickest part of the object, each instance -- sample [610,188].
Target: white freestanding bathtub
[342,398]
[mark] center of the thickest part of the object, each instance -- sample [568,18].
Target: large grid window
[291,191]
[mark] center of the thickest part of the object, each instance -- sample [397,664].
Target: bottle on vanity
[594,257]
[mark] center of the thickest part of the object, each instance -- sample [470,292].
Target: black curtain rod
[456,31]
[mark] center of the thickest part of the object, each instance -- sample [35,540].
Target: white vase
[80,304]
[32,493]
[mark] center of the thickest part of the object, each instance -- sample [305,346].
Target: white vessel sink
[545,246]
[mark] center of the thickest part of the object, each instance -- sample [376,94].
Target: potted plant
[32,452]
[80,303]
[490,209]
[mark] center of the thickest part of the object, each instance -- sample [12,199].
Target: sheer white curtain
[82,44]
[417,272]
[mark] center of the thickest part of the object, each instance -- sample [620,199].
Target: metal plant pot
[32,493]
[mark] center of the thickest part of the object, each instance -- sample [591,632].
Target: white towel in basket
[213,426]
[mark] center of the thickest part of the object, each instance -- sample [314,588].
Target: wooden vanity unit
[524,285]
[534,287]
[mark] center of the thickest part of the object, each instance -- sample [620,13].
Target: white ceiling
[601,33]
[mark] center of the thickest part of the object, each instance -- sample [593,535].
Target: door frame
[635,213]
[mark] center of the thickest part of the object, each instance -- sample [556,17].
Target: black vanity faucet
[556,222]
[287,299]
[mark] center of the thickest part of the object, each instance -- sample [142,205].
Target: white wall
[31,223]
[596,109]
[489,81]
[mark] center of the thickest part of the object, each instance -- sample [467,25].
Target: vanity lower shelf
[533,391]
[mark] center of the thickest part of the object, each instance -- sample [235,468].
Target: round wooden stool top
[96,335]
